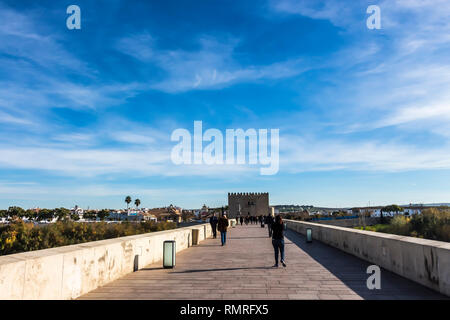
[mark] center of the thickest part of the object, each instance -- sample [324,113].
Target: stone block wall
[424,261]
[71,271]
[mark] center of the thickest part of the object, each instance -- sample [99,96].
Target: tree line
[432,223]
[20,236]
[61,214]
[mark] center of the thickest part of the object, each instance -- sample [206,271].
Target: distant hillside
[294,207]
[445,204]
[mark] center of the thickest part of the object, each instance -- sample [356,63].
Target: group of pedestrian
[275,227]
[250,219]
[220,224]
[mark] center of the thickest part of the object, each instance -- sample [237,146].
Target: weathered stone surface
[443,259]
[12,276]
[68,272]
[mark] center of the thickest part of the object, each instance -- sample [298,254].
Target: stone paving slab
[242,269]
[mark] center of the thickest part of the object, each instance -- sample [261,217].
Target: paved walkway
[243,270]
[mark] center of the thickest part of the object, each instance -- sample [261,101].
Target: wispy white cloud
[79,193]
[23,37]
[338,13]
[210,67]
[135,162]
[38,74]
[389,77]
[303,155]
[9,118]
[439,111]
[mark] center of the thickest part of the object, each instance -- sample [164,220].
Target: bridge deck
[243,270]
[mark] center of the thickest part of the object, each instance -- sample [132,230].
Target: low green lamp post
[308,235]
[169,250]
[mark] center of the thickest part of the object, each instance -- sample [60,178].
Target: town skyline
[291,204]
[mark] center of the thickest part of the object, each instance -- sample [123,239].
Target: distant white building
[407,211]
[150,217]
[77,210]
[412,210]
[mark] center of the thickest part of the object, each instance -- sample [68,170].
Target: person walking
[278,240]
[269,222]
[213,221]
[223,226]
[241,219]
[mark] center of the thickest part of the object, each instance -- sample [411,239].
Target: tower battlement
[247,193]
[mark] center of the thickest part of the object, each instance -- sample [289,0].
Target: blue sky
[86,115]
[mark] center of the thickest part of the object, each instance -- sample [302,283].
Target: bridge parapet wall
[350,223]
[424,261]
[68,272]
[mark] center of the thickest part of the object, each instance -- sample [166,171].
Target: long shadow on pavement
[223,269]
[352,272]
[231,237]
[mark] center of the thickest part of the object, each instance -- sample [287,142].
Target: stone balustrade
[424,261]
[71,271]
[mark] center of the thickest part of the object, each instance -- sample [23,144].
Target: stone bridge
[242,269]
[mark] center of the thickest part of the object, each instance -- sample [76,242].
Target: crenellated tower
[248,203]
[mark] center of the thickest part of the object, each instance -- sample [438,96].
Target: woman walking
[278,240]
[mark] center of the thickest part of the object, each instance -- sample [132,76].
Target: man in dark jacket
[269,222]
[223,227]
[278,240]
[213,221]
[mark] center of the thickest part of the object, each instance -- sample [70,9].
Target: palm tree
[137,202]
[128,200]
